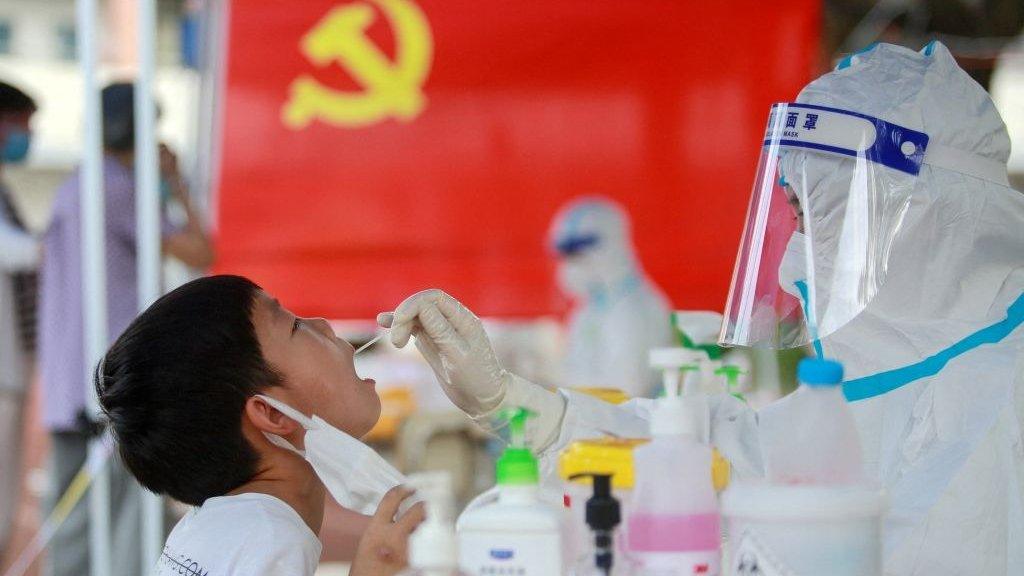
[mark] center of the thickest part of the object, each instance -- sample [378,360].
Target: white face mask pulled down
[355,475]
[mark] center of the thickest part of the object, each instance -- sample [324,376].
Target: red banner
[376,147]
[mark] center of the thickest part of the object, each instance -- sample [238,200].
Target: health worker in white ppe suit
[619,314]
[882,232]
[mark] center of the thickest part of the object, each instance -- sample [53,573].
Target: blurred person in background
[619,314]
[19,256]
[62,365]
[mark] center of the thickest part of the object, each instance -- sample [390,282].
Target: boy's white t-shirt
[242,535]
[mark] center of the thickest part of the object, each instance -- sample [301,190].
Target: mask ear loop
[303,420]
[298,417]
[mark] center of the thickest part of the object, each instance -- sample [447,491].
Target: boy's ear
[268,419]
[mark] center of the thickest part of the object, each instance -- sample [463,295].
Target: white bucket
[802,530]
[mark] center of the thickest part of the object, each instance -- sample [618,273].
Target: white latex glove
[453,341]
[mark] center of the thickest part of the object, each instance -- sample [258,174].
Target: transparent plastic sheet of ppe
[831,189]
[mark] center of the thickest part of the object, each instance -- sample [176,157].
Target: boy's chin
[365,426]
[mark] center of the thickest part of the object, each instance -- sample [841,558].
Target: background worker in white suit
[619,314]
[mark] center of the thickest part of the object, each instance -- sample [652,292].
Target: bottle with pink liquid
[673,529]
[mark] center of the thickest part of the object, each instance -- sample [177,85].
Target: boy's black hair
[174,384]
[14,101]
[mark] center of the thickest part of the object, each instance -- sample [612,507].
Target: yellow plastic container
[721,470]
[609,395]
[615,456]
[601,456]
[396,404]
[612,456]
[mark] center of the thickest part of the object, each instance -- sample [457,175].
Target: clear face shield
[831,190]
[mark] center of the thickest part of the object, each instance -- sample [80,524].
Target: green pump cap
[732,379]
[731,372]
[517,465]
[713,351]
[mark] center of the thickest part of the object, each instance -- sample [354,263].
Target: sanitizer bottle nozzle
[433,546]
[674,414]
[603,515]
[731,374]
[517,465]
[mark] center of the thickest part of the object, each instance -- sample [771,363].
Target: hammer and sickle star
[390,89]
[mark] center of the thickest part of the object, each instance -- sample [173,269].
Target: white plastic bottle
[810,436]
[815,515]
[433,547]
[518,533]
[673,528]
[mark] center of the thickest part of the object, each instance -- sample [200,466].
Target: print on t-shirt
[179,564]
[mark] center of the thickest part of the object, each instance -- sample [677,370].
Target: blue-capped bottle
[810,436]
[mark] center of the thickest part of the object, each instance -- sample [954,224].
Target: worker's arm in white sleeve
[19,250]
[454,343]
[733,427]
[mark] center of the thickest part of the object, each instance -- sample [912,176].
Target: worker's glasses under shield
[831,189]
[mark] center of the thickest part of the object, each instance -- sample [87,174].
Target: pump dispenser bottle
[433,547]
[682,371]
[518,533]
[603,514]
[730,374]
[673,528]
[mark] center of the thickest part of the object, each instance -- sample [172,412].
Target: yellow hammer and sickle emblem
[390,89]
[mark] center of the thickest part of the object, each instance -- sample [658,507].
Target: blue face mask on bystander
[16,145]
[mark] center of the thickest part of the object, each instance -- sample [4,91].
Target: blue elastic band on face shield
[845,133]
